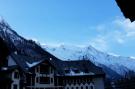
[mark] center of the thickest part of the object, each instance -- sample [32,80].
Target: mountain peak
[3,22]
[119,64]
[5,29]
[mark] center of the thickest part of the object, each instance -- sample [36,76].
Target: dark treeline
[127,82]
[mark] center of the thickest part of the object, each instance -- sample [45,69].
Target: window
[67,71]
[77,88]
[51,69]
[16,75]
[81,87]
[37,69]
[37,79]
[44,80]
[51,80]
[72,88]
[14,86]
[86,87]
[86,71]
[76,71]
[44,69]
[91,87]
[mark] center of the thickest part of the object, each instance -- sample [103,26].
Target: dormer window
[67,71]
[86,71]
[76,70]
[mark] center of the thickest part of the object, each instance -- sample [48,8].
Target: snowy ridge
[119,64]
[32,64]
[16,44]
[8,34]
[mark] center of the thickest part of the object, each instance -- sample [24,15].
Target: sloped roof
[26,63]
[85,66]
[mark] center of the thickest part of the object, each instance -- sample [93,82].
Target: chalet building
[53,73]
[34,71]
[25,65]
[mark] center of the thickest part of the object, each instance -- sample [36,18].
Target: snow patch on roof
[72,73]
[33,64]
[4,68]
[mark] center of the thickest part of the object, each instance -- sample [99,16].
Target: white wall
[79,86]
[97,83]
[15,81]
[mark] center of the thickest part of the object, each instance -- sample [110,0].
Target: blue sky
[99,23]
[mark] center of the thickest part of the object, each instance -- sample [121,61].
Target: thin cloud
[100,43]
[117,32]
[127,26]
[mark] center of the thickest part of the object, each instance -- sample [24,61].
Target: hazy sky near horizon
[99,23]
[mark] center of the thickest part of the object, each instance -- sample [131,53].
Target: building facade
[79,74]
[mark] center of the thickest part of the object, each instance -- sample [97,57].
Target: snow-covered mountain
[113,65]
[17,43]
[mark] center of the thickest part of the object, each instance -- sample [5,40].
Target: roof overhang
[127,8]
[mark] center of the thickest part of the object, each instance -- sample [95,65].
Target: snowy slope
[9,35]
[119,64]
[17,43]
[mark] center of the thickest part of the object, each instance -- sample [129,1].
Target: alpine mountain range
[114,66]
